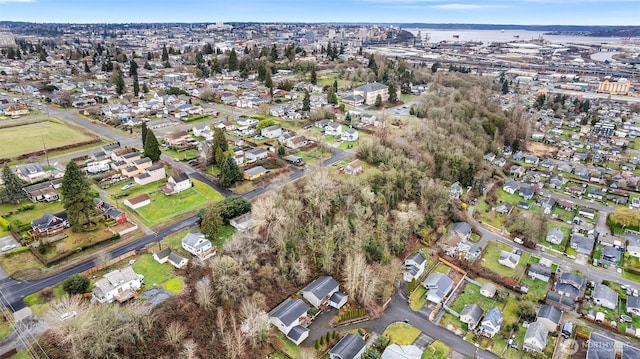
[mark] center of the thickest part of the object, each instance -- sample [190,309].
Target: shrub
[16,251]
[76,284]
[4,224]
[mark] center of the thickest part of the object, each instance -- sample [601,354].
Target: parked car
[9,247]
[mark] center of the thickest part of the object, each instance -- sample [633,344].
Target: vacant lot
[490,260]
[163,207]
[36,136]
[472,295]
[401,333]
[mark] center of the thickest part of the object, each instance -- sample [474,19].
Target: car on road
[9,247]
[126,187]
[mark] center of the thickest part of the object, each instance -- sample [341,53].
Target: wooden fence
[110,262]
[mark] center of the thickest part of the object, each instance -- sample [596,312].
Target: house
[463,229]
[561,302]
[610,254]
[490,324]
[351,346]
[320,293]
[177,183]
[202,130]
[137,201]
[547,204]
[601,347]
[119,284]
[255,154]
[110,211]
[353,168]
[633,245]
[629,352]
[587,213]
[247,122]
[371,91]
[130,171]
[539,271]
[455,191]
[167,255]
[196,244]
[535,338]
[582,244]
[488,290]
[509,259]
[555,235]
[333,129]
[526,193]
[569,285]
[605,296]
[272,131]
[254,173]
[471,315]
[49,224]
[43,192]
[395,351]
[177,138]
[289,318]
[31,172]
[549,316]
[511,187]
[349,135]
[296,142]
[438,286]
[504,208]
[151,174]
[633,305]
[414,267]
[242,222]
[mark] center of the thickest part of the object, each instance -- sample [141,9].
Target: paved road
[13,291]
[398,310]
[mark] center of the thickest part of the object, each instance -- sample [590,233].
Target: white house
[119,284]
[167,255]
[324,291]
[137,201]
[289,317]
[176,184]
[333,129]
[490,324]
[242,222]
[414,267]
[509,259]
[196,244]
[255,154]
[201,130]
[349,135]
[272,131]
[535,339]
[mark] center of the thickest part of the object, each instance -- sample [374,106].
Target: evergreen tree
[136,86]
[230,173]
[218,156]
[166,65]
[331,96]
[393,93]
[145,88]
[335,86]
[86,68]
[268,82]
[274,53]
[233,60]
[133,68]
[378,101]
[77,198]
[314,76]
[165,54]
[147,66]
[144,130]
[220,140]
[151,146]
[211,222]
[306,102]
[348,119]
[76,284]
[281,150]
[505,87]
[12,187]
[118,80]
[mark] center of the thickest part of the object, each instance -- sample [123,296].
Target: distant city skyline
[517,12]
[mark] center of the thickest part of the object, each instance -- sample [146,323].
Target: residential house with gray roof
[490,324]
[535,338]
[351,346]
[605,296]
[549,316]
[438,286]
[290,318]
[321,292]
[471,315]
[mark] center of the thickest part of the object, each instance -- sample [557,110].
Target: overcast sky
[525,12]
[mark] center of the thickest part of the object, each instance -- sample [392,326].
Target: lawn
[211,194]
[27,216]
[490,260]
[537,288]
[418,299]
[173,285]
[312,156]
[441,268]
[37,136]
[437,350]
[154,273]
[182,155]
[174,241]
[471,295]
[510,310]
[22,265]
[488,216]
[347,145]
[163,207]
[287,346]
[401,333]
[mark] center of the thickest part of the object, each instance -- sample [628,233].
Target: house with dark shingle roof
[560,301]
[549,316]
[471,314]
[535,339]
[605,296]
[289,318]
[582,244]
[438,286]
[321,292]
[539,271]
[351,346]
[490,324]
[600,347]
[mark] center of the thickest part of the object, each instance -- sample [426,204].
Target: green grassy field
[211,194]
[490,260]
[24,139]
[471,295]
[417,300]
[154,273]
[163,207]
[436,350]
[401,333]
[27,216]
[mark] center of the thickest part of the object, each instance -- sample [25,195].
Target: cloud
[16,1]
[465,6]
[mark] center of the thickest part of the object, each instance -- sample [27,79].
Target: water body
[489,36]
